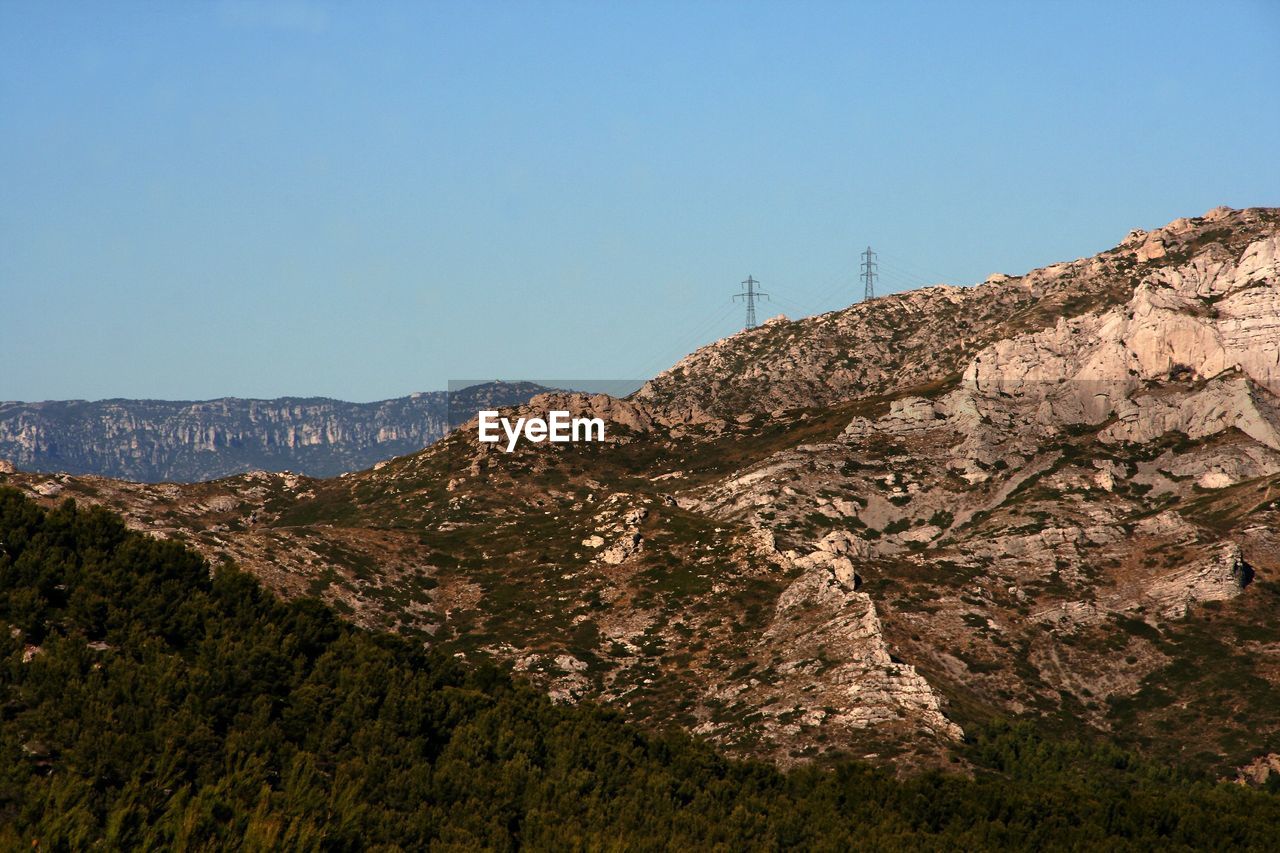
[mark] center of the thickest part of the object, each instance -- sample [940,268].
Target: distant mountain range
[186,441]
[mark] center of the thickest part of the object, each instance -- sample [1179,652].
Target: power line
[680,345]
[821,306]
[749,296]
[932,276]
[808,306]
[795,308]
[887,268]
[900,281]
[869,275]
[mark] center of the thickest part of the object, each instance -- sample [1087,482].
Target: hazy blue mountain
[187,441]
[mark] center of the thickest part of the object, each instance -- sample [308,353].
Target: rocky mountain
[1052,497]
[179,441]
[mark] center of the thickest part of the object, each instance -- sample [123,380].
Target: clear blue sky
[362,200]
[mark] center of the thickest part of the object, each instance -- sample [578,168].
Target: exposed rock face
[609,409]
[1056,494]
[1221,576]
[156,440]
[832,655]
[1212,323]
[788,364]
[932,334]
[1259,771]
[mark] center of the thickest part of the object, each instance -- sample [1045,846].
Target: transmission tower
[749,295]
[869,274]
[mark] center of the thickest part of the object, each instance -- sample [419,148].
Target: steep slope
[1050,533]
[149,703]
[929,335]
[162,440]
[1052,496]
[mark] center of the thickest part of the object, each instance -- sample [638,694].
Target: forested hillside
[147,703]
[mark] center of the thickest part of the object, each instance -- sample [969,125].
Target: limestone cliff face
[1109,473]
[1210,306]
[1212,324]
[1054,495]
[159,440]
[1204,291]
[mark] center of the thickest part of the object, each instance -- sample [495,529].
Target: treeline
[147,704]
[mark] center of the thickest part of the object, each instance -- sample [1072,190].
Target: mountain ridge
[192,440]
[793,561]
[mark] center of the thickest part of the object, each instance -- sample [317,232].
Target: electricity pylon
[869,275]
[749,295]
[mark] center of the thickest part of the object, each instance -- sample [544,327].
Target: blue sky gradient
[364,200]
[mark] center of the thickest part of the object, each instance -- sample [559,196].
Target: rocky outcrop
[833,660]
[1259,771]
[930,335]
[1046,494]
[1211,326]
[617,526]
[611,410]
[1219,576]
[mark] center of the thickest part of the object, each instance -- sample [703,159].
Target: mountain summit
[1051,496]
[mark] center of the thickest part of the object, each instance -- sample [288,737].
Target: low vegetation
[149,703]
